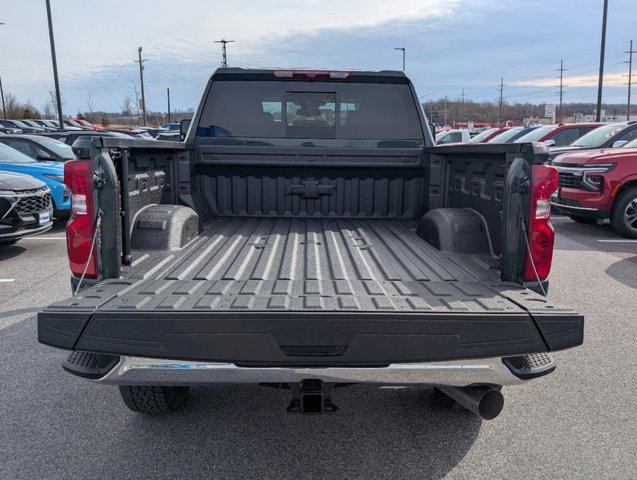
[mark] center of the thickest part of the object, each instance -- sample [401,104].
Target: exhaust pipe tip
[490,404]
[485,402]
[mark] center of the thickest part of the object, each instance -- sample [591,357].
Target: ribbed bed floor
[313,264]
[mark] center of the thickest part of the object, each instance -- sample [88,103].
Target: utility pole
[403,49]
[445,109]
[58,95]
[168,95]
[561,92]
[501,101]
[630,77]
[462,105]
[224,58]
[141,79]
[4,110]
[600,85]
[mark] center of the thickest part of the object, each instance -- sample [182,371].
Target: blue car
[51,173]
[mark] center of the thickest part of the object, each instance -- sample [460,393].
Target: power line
[577,68]
[141,79]
[224,57]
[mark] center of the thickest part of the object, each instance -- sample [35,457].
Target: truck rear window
[298,113]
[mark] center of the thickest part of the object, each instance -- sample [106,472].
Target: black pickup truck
[307,234]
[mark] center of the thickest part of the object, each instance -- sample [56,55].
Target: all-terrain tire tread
[153,400]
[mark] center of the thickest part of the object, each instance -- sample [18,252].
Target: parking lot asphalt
[576,423]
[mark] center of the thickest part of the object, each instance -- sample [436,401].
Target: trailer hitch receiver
[311,397]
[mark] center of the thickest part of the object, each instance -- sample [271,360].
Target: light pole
[168,95]
[4,110]
[600,84]
[58,95]
[402,49]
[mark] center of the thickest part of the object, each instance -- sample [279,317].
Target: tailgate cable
[528,249]
[96,226]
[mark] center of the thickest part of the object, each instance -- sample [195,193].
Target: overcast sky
[451,45]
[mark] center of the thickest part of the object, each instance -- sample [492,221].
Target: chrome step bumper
[150,371]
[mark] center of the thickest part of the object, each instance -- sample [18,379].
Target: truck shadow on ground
[244,432]
[590,236]
[624,271]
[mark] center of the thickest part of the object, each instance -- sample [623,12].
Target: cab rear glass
[332,114]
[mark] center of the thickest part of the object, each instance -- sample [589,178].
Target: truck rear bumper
[152,371]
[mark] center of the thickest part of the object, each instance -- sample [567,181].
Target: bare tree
[127,106]
[53,103]
[12,105]
[47,111]
[90,108]
[137,96]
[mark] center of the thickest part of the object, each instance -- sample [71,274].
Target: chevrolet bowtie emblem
[310,190]
[42,193]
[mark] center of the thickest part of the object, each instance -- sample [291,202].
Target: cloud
[615,79]
[451,45]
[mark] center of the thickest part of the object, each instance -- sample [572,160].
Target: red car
[484,137]
[558,135]
[84,123]
[599,184]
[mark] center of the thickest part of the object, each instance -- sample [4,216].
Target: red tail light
[541,234]
[78,176]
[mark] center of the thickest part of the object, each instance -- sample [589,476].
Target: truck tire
[624,216]
[154,400]
[585,220]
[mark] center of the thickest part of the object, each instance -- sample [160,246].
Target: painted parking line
[7,280]
[43,238]
[619,240]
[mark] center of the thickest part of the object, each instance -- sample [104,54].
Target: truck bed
[324,265]
[308,291]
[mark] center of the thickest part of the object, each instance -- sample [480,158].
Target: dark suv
[25,207]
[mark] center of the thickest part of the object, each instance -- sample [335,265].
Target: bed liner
[352,287]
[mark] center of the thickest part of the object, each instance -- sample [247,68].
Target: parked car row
[599,183]
[40,126]
[596,163]
[32,156]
